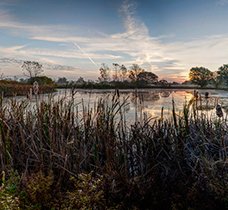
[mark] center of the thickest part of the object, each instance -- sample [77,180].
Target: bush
[8,188]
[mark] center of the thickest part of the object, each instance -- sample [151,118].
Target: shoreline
[153,87]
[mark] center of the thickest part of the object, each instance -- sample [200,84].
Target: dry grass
[174,163]
[12,88]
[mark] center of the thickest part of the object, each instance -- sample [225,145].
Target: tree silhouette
[104,73]
[62,80]
[135,70]
[116,68]
[123,73]
[31,68]
[147,77]
[200,76]
[163,82]
[223,74]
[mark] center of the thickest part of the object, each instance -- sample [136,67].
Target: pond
[146,102]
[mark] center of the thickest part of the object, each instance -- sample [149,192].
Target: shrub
[8,198]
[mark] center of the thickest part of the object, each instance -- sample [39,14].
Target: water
[147,102]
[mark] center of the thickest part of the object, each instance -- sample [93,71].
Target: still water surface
[147,102]
[150,102]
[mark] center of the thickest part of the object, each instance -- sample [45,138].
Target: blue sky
[72,38]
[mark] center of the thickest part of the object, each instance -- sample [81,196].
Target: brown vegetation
[66,159]
[13,88]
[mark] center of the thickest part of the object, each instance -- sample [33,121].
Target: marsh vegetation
[54,156]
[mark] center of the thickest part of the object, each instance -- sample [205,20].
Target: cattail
[196,94]
[219,111]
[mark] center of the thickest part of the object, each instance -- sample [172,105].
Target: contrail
[84,53]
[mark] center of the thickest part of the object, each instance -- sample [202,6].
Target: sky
[72,38]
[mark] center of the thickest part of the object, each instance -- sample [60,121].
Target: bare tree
[31,68]
[104,73]
[116,67]
[123,73]
[135,70]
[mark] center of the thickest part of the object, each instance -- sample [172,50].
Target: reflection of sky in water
[165,101]
[147,102]
[150,102]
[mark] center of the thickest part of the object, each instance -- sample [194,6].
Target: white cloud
[134,45]
[11,23]
[26,53]
[208,51]
[135,42]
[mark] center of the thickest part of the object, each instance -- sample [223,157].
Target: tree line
[202,76]
[135,74]
[117,76]
[121,76]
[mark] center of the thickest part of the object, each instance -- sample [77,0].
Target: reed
[168,163]
[12,88]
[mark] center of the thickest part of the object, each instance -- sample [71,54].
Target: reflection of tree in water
[165,93]
[141,97]
[141,100]
[205,103]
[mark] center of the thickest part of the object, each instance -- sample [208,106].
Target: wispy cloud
[51,68]
[10,22]
[46,64]
[32,53]
[133,45]
[207,51]
[135,42]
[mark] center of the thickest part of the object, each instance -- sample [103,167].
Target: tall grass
[174,163]
[13,88]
